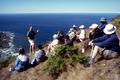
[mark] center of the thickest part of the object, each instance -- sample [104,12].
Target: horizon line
[46,12]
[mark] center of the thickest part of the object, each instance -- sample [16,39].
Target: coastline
[105,65]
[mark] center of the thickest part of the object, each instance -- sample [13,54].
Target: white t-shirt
[23,58]
[82,34]
[71,35]
[55,42]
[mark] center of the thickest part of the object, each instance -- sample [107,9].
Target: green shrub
[59,50]
[55,64]
[81,59]
[64,55]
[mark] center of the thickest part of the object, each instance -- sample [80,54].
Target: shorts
[108,54]
[31,42]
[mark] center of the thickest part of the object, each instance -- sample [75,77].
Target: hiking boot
[90,62]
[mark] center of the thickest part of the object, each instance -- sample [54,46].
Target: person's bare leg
[33,48]
[93,55]
[30,50]
[83,50]
[94,52]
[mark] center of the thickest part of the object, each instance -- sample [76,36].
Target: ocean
[47,24]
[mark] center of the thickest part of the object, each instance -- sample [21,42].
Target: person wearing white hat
[53,44]
[72,35]
[94,32]
[94,26]
[74,25]
[82,36]
[107,45]
[73,28]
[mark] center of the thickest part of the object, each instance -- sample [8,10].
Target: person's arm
[17,62]
[109,42]
[27,33]
[100,39]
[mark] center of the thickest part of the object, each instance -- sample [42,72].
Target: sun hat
[71,30]
[109,29]
[103,19]
[82,26]
[93,26]
[74,26]
[55,36]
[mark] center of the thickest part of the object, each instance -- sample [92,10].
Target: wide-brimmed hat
[93,26]
[55,36]
[71,30]
[74,26]
[103,19]
[82,26]
[109,29]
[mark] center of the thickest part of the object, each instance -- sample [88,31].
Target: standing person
[22,61]
[107,45]
[31,35]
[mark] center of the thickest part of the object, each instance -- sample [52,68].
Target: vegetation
[116,21]
[7,62]
[64,56]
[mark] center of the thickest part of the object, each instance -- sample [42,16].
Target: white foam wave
[7,47]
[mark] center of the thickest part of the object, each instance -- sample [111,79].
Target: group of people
[22,61]
[102,39]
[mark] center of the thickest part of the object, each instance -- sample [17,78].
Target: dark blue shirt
[95,34]
[110,42]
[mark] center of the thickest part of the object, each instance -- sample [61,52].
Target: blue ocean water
[47,24]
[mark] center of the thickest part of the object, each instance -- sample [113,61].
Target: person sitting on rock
[67,41]
[22,61]
[72,34]
[107,45]
[74,27]
[39,56]
[53,44]
[61,36]
[103,22]
[95,32]
[82,37]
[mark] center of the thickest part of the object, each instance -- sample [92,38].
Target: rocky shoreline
[6,45]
